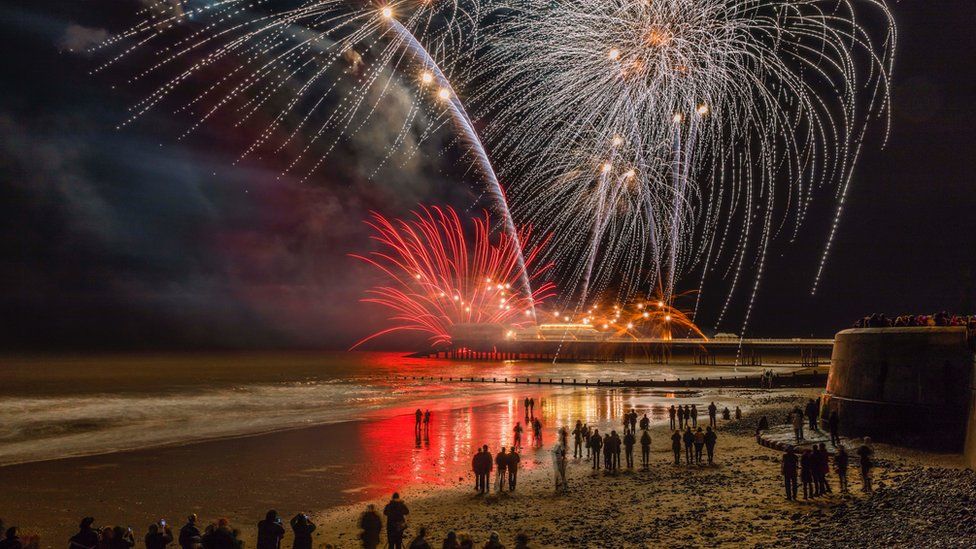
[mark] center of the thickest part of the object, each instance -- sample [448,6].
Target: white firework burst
[656,137]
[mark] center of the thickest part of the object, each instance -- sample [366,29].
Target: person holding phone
[159,535]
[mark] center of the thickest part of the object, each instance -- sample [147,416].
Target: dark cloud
[78,38]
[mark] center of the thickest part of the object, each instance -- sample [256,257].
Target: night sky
[133,240]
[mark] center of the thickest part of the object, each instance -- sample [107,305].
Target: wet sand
[310,469]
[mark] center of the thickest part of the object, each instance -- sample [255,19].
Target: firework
[657,137]
[307,75]
[656,317]
[438,277]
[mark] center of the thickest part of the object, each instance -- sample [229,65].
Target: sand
[737,502]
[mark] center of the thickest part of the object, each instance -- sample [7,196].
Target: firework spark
[287,58]
[653,138]
[436,278]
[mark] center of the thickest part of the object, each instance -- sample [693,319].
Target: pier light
[528,312]
[660,304]
[667,318]
[605,167]
[444,94]
[427,78]
[618,141]
[646,315]
[605,326]
[565,319]
[630,174]
[614,54]
[417,276]
[640,306]
[702,109]
[630,326]
[387,12]
[678,118]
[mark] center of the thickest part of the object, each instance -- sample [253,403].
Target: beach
[361,451]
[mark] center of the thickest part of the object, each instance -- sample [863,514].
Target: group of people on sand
[686,416]
[219,534]
[505,463]
[396,511]
[811,412]
[422,422]
[812,466]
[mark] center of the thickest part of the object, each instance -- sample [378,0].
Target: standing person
[578,440]
[671,414]
[87,537]
[689,440]
[586,439]
[699,444]
[626,422]
[812,414]
[451,541]
[629,441]
[676,446]
[710,439]
[824,469]
[681,418]
[864,453]
[526,408]
[501,473]
[645,423]
[370,525]
[420,540]
[476,469]
[486,467]
[190,535]
[694,416]
[559,467]
[840,465]
[122,538]
[806,474]
[608,452]
[426,420]
[518,434]
[633,421]
[596,442]
[797,419]
[564,438]
[302,527]
[396,519]
[419,417]
[645,449]
[11,539]
[726,414]
[738,413]
[532,406]
[712,410]
[815,463]
[270,531]
[158,536]
[789,470]
[513,465]
[537,432]
[833,423]
[617,444]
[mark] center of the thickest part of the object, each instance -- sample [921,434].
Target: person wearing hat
[493,542]
[190,535]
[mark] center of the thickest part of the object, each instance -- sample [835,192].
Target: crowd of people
[942,318]
[812,467]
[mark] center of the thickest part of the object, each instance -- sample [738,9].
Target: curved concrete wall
[903,385]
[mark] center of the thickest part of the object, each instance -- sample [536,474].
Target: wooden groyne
[794,379]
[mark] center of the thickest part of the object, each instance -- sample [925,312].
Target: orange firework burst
[654,317]
[436,278]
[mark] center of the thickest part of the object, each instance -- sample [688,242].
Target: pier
[729,351]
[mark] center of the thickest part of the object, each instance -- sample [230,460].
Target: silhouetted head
[396,495]
[512,449]
[12,532]
[153,528]
[699,430]
[493,537]
[867,441]
[422,533]
[86,523]
[485,447]
[192,519]
[223,522]
[271,516]
[451,536]
[709,429]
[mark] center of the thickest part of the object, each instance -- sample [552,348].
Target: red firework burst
[436,278]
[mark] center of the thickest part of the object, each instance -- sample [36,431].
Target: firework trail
[653,138]
[289,58]
[437,277]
